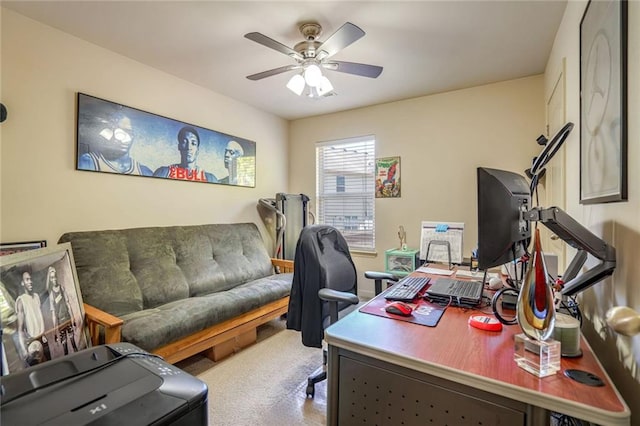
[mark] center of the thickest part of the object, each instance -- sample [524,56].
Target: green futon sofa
[181,290]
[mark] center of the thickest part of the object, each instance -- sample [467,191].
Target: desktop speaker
[567,332]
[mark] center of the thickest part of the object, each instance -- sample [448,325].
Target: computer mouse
[399,308]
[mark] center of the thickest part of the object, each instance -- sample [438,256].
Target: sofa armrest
[98,320]
[282,265]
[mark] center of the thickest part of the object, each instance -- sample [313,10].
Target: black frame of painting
[114,138]
[603,102]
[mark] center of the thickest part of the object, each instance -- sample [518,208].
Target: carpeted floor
[263,384]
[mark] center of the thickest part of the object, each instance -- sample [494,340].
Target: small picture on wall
[388,177]
[114,138]
[10,248]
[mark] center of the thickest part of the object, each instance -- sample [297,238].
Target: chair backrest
[322,260]
[337,270]
[334,259]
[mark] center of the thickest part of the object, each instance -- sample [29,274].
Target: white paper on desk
[435,271]
[441,241]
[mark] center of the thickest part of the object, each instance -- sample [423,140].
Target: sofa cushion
[152,260]
[107,284]
[159,326]
[128,270]
[221,256]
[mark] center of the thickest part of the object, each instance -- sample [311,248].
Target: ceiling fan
[311,55]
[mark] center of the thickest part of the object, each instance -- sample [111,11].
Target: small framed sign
[388,177]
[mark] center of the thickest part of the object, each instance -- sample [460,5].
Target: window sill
[362,253]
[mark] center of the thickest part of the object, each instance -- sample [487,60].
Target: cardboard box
[231,346]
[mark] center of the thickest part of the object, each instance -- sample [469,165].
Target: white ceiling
[425,47]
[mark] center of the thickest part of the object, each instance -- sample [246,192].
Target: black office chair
[324,285]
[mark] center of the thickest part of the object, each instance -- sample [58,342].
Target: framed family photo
[41,307]
[603,102]
[114,138]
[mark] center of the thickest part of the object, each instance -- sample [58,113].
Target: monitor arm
[580,238]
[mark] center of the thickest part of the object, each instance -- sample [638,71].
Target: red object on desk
[484,322]
[424,312]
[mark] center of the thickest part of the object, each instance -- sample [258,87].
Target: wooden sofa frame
[108,326]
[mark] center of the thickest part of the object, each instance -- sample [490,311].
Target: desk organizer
[401,262]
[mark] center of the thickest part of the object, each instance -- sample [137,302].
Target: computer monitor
[503,233]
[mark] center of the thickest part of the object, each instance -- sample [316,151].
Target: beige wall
[441,139]
[617,223]
[44,196]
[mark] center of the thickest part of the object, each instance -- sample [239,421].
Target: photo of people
[189,147]
[114,138]
[40,307]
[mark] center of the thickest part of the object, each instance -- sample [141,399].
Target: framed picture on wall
[603,102]
[388,177]
[10,248]
[41,307]
[114,138]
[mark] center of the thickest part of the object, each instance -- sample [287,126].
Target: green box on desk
[401,262]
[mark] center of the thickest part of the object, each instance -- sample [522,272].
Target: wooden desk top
[481,359]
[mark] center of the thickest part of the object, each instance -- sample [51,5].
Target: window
[345,196]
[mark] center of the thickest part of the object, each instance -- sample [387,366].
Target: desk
[388,372]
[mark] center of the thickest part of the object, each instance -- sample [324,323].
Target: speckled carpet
[263,384]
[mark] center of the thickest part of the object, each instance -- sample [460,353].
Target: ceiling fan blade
[364,70]
[343,37]
[272,44]
[274,71]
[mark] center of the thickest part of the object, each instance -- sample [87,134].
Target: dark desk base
[364,390]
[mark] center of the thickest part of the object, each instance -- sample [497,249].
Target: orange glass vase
[535,308]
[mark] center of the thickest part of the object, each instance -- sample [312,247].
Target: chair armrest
[333,297]
[282,265]
[378,277]
[375,275]
[330,295]
[97,319]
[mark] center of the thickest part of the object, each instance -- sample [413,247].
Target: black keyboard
[406,289]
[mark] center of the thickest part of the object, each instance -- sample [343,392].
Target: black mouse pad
[424,312]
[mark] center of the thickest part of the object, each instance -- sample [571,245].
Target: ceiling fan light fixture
[311,55]
[313,75]
[296,84]
[325,88]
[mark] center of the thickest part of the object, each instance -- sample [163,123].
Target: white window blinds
[345,197]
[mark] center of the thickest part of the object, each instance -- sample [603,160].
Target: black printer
[115,384]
